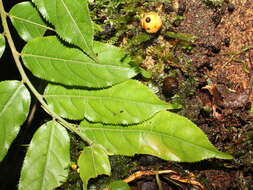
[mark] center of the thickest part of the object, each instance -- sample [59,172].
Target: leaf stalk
[25,79]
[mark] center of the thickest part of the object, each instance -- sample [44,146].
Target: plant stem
[25,79]
[158,182]
[233,54]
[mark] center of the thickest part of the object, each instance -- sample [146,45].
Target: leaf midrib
[11,98]
[104,98]
[74,61]
[152,132]
[52,131]
[31,22]
[76,25]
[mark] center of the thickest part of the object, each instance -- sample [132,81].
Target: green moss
[121,22]
[181,36]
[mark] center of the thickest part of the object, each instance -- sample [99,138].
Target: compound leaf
[14,107]
[27,21]
[166,135]
[71,20]
[49,59]
[92,162]
[2,45]
[125,103]
[47,159]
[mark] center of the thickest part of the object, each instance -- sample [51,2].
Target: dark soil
[220,31]
[214,86]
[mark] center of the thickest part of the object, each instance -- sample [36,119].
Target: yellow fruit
[151,22]
[74,166]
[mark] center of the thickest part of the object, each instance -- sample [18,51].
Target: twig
[186,180]
[174,176]
[139,174]
[235,54]
[31,115]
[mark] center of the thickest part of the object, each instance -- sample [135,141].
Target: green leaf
[92,162]
[2,45]
[14,107]
[125,103]
[48,59]
[146,74]
[27,21]
[118,185]
[47,160]
[71,20]
[166,135]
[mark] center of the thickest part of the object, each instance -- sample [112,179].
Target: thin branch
[234,54]
[31,114]
[25,79]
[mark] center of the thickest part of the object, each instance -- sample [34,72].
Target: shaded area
[209,75]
